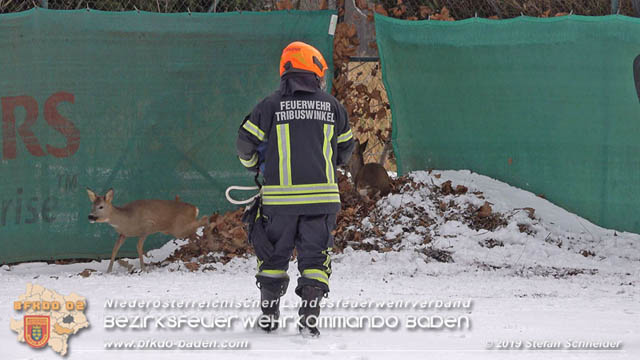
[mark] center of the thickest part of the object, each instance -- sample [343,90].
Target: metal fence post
[44,4]
[214,6]
[636,7]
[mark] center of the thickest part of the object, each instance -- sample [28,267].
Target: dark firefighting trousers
[275,237]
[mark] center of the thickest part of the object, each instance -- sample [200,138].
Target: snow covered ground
[529,284]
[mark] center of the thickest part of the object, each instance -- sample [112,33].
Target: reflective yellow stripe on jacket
[288,194]
[300,194]
[253,129]
[251,162]
[327,151]
[346,136]
[284,153]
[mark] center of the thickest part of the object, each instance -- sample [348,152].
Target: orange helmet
[301,56]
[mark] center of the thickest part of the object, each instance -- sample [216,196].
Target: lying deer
[142,218]
[371,177]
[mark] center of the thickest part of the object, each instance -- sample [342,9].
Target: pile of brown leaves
[224,239]
[352,232]
[362,101]
[355,208]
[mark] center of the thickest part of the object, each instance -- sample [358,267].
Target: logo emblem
[36,330]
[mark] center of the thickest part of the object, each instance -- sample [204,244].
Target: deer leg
[116,247]
[140,248]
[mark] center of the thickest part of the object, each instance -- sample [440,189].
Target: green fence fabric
[548,105]
[146,103]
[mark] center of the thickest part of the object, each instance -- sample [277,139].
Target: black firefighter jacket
[302,133]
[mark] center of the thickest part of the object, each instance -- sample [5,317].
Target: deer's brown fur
[371,177]
[142,218]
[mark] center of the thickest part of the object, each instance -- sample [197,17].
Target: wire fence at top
[499,9]
[161,6]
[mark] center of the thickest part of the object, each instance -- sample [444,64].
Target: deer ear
[92,195]
[109,196]
[363,146]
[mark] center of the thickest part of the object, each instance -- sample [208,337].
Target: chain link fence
[500,9]
[164,6]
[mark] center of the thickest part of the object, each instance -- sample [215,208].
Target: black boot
[270,305]
[310,310]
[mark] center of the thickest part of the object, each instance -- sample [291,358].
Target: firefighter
[296,137]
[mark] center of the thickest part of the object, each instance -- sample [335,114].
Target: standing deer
[142,218]
[371,177]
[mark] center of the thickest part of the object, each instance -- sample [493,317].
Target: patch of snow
[517,281]
[166,250]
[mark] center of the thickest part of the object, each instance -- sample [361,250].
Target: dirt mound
[364,223]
